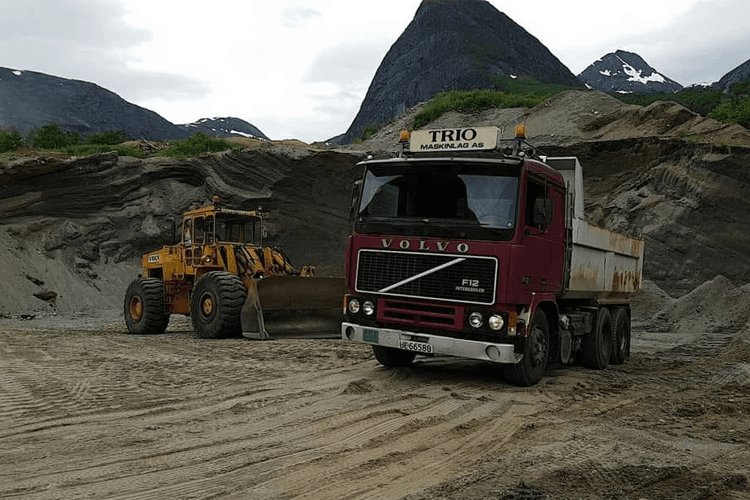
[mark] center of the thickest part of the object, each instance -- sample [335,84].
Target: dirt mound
[574,116]
[716,306]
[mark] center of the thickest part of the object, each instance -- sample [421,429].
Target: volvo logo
[439,246]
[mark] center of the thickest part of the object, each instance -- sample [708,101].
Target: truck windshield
[238,229]
[454,196]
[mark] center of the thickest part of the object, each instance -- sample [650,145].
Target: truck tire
[216,305]
[621,346]
[597,346]
[532,367]
[144,307]
[392,357]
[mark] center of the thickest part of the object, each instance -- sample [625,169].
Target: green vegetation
[475,100]
[733,112]
[527,92]
[10,140]
[736,107]
[108,138]
[521,92]
[196,144]
[52,138]
[370,130]
[733,107]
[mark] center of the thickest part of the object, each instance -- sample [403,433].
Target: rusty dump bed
[604,265]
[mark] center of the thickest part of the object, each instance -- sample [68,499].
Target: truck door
[543,241]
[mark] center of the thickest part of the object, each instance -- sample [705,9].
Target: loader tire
[621,346]
[144,307]
[392,357]
[536,352]
[597,346]
[216,305]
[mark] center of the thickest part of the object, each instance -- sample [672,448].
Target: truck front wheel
[216,305]
[391,357]
[532,367]
[144,307]
[597,346]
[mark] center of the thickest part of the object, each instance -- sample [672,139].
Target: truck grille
[449,317]
[456,278]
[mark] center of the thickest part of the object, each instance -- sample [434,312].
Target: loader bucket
[293,307]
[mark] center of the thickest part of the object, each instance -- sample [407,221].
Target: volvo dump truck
[228,282]
[464,247]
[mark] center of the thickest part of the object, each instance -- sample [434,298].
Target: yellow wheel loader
[223,277]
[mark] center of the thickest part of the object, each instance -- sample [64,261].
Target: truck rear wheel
[391,357]
[532,367]
[597,346]
[144,307]
[621,347]
[216,305]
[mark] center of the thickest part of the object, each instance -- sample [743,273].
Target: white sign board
[454,139]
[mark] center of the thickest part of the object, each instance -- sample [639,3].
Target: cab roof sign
[454,139]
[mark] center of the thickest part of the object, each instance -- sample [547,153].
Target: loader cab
[244,230]
[202,233]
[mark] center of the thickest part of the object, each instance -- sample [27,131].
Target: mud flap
[293,307]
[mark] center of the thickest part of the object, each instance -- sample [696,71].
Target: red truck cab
[461,249]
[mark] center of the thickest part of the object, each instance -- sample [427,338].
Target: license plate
[420,347]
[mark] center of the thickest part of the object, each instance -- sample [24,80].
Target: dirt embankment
[72,230]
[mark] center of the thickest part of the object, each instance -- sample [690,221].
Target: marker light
[521,131]
[512,323]
[404,136]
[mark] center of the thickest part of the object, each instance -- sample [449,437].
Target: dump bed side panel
[604,265]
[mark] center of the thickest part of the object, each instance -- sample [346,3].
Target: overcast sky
[300,68]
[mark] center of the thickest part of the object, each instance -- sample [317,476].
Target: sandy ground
[88,411]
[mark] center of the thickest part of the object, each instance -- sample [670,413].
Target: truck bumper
[444,346]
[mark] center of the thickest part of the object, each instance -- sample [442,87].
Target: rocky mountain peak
[30,100]
[453,45]
[626,72]
[224,127]
[740,74]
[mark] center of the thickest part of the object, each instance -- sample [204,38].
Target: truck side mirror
[356,188]
[544,210]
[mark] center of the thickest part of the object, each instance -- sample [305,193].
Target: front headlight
[368,307]
[476,320]
[354,306]
[496,322]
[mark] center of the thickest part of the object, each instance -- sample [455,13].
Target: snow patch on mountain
[626,72]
